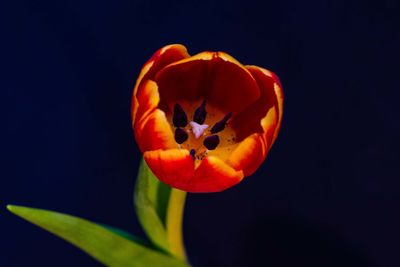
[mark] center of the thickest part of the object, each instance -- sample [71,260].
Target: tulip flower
[204,122]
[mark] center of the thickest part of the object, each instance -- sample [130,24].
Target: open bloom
[204,122]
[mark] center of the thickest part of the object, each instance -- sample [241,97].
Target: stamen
[211,142]
[180,135]
[197,129]
[219,126]
[193,153]
[179,118]
[200,114]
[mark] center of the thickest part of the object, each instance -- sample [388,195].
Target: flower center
[197,136]
[198,129]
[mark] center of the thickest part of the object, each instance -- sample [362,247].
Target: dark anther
[192,152]
[200,113]
[180,118]
[211,142]
[180,135]
[219,126]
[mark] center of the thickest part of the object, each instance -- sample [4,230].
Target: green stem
[174,223]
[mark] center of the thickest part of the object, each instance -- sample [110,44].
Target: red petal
[148,98]
[249,121]
[154,132]
[261,75]
[279,95]
[249,154]
[213,175]
[161,58]
[215,76]
[174,167]
[270,126]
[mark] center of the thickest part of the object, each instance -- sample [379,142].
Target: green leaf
[107,247]
[151,200]
[126,235]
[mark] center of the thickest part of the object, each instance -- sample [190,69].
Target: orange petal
[248,121]
[270,125]
[148,98]
[279,95]
[174,167]
[249,154]
[213,175]
[154,132]
[261,75]
[215,76]
[160,59]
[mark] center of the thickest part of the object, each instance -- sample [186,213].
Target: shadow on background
[284,242]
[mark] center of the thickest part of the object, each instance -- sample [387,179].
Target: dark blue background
[328,195]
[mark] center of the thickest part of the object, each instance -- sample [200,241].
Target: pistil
[198,137]
[198,129]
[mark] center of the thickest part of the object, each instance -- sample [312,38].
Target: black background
[328,194]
